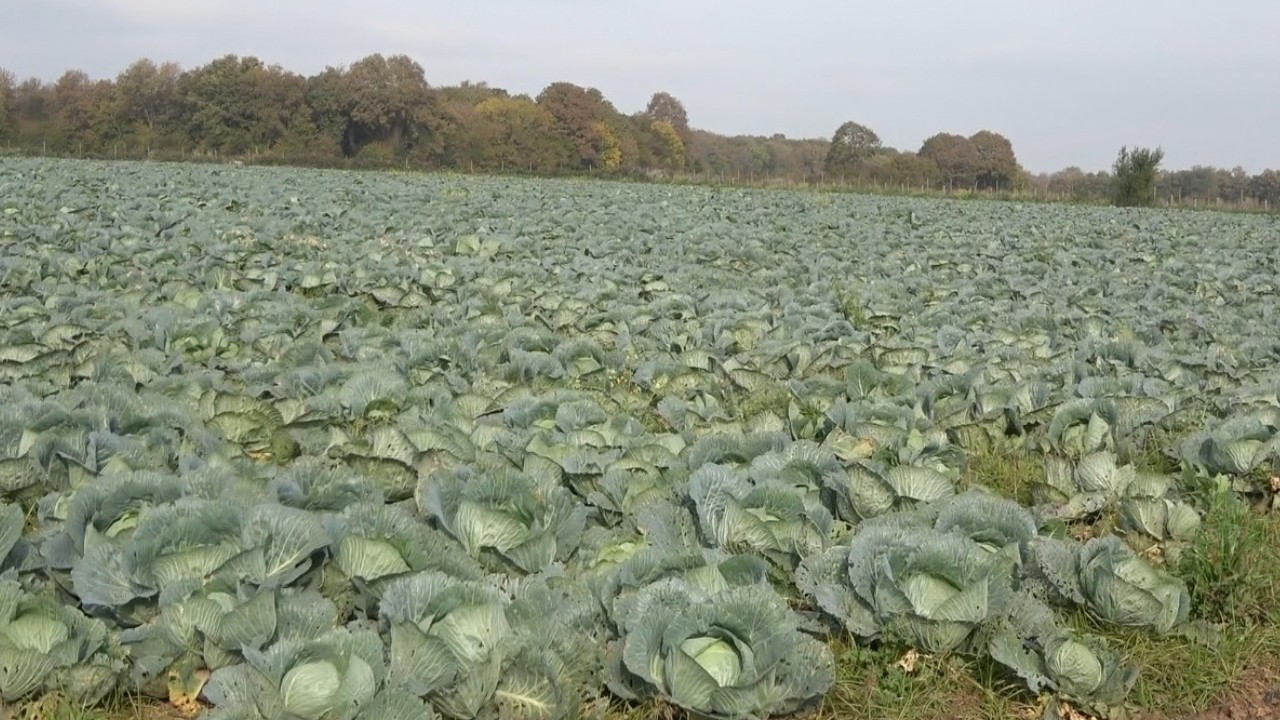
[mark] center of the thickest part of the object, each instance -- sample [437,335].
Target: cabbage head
[446,639]
[373,544]
[1081,427]
[330,677]
[1080,668]
[932,589]
[771,519]
[46,646]
[208,629]
[867,491]
[735,654]
[996,523]
[1238,446]
[528,522]
[1123,589]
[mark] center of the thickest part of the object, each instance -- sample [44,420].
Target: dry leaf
[185,695]
[1067,712]
[1154,555]
[908,662]
[1081,532]
[40,709]
[1037,711]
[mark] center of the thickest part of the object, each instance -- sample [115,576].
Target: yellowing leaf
[184,692]
[908,662]
[1067,712]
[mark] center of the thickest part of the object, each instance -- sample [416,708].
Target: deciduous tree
[665,108]
[84,112]
[330,104]
[8,112]
[956,157]
[389,101]
[852,145]
[517,134]
[912,170]
[1265,187]
[579,113]
[1133,180]
[669,151]
[148,94]
[238,105]
[996,166]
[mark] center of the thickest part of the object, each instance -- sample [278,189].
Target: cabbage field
[278,443]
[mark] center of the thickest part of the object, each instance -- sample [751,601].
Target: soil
[1255,697]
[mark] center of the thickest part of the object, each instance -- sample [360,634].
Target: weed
[1233,566]
[1011,475]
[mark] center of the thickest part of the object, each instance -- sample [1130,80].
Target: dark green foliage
[852,145]
[1133,182]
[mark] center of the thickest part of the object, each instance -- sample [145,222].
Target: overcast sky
[1068,83]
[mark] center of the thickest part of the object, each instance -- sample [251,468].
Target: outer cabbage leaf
[445,637]
[770,519]
[48,646]
[529,524]
[326,678]
[866,492]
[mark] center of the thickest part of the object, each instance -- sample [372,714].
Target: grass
[1181,674]
[1232,571]
[1233,567]
[1011,475]
[884,683]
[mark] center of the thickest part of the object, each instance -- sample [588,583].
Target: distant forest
[383,112]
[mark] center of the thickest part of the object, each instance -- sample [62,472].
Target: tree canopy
[1134,176]
[851,146]
[982,161]
[7,109]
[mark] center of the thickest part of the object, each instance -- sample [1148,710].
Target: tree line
[381,111]
[1198,185]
